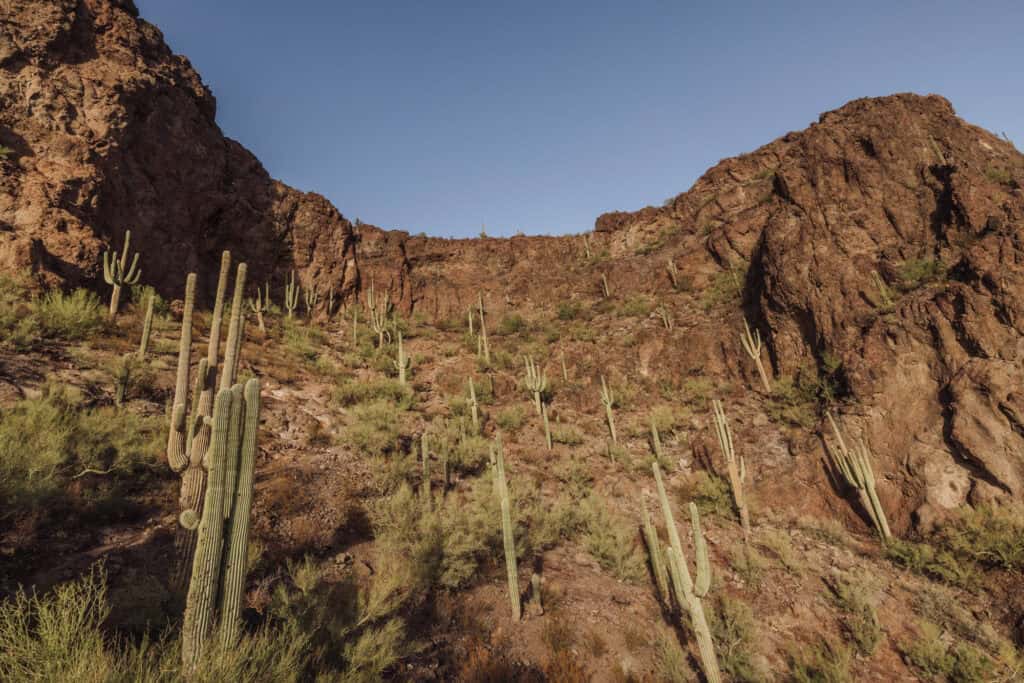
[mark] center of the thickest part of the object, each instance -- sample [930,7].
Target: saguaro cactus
[666,317]
[311,298]
[547,424]
[219,564]
[687,593]
[501,489]
[605,289]
[291,295]
[118,273]
[736,466]
[608,401]
[485,347]
[586,245]
[260,305]
[147,327]
[673,274]
[656,441]
[855,466]
[657,559]
[536,381]
[474,407]
[379,315]
[402,362]
[425,454]
[752,345]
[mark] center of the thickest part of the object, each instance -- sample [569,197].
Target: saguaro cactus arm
[117,272]
[855,466]
[608,400]
[176,439]
[752,345]
[735,465]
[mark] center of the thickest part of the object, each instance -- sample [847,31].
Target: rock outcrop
[111,131]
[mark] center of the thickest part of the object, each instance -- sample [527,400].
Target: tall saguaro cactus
[508,531]
[687,593]
[219,564]
[147,327]
[118,273]
[752,345]
[260,305]
[401,362]
[608,401]
[855,466]
[485,347]
[736,466]
[190,433]
[474,407]
[291,295]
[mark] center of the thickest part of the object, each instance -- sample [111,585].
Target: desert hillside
[770,430]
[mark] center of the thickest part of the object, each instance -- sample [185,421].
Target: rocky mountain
[877,257]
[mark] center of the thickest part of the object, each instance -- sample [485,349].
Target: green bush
[569,310]
[300,340]
[915,273]
[374,428]
[735,635]
[611,540]
[19,328]
[46,441]
[992,537]
[725,288]
[70,317]
[859,618]
[823,662]
[354,391]
[511,418]
[140,297]
[712,495]
[566,434]
[636,307]
[924,559]
[511,324]
[957,663]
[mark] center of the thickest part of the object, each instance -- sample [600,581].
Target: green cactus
[666,317]
[687,593]
[291,295]
[402,362]
[147,327]
[855,467]
[605,289]
[501,489]
[380,315]
[219,564]
[176,439]
[673,274]
[657,559]
[311,297]
[659,455]
[330,302]
[536,381]
[474,407]
[736,466]
[752,345]
[547,424]
[565,370]
[608,401]
[484,346]
[470,317]
[118,273]
[260,305]
[586,245]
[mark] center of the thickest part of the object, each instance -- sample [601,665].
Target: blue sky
[538,116]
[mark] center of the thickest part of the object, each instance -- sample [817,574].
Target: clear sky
[538,116]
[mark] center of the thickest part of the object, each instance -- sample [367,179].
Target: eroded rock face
[111,132]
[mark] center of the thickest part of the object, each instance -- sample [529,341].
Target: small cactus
[547,425]
[474,407]
[291,295]
[855,467]
[605,289]
[330,302]
[666,317]
[402,362]
[608,401]
[565,370]
[118,273]
[752,345]
[586,245]
[260,305]
[673,274]
[485,348]
[659,456]
[147,327]
[311,297]
[536,381]
[656,557]
[736,466]
[379,315]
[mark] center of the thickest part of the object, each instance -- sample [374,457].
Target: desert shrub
[453,440]
[511,418]
[935,563]
[374,428]
[70,317]
[735,635]
[355,391]
[302,341]
[794,400]
[511,324]
[582,333]
[140,297]
[822,662]
[569,310]
[566,434]
[999,175]
[670,658]
[748,564]
[778,542]
[725,288]
[47,440]
[915,273]
[957,663]
[698,390]
[992,537]
[711,494]
[858,615]
[131,377]
[611,540]
[19,327]
[636,307]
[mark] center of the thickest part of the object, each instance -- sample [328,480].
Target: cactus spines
[117,272]
[673,274]
[605,290]
[536,381]
[474,407]
[501,488]
[202,589]
[238,512]
[752,345]
[855,466]
[485,347]
[688,594]
[657,559]
[736,466]
[608,401]
[261,305]
[147,327]
[291,295]
[311,297]
[176,438]
[401,362]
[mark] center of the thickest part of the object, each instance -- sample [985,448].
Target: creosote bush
[374,428]
[355,391]
[735,634]
[612,540]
